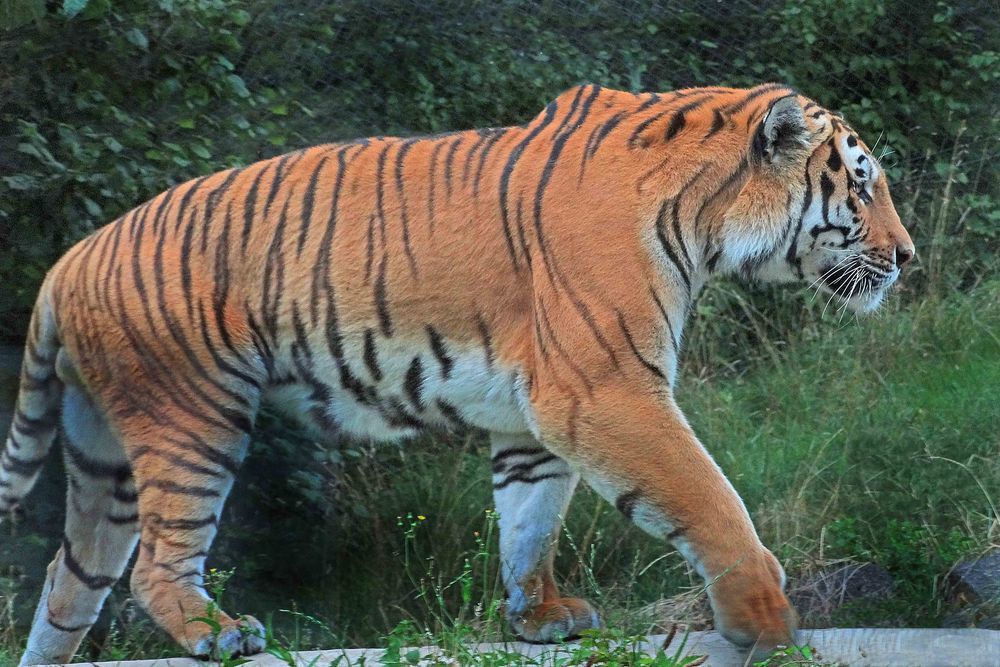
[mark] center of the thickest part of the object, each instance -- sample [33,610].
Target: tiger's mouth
[857,281]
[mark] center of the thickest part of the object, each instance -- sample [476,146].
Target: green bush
[106,102]
[104,105]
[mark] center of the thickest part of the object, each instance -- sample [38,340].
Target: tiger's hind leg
[183,474]
[100,533]
[532,489]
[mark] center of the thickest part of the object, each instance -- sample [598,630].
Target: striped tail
[36,413]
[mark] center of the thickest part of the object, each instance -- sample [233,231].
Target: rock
[974,581]
[818,596]
[984,616]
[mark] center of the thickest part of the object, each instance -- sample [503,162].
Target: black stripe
[321,271]
[274,274]
[124,495]
[633,140]
[675,219]
[484,334]
[397,416]
[653,368]
[519,220]
[435,154]
[182,524]
[483,135]
[452,415]
[667,248]
[30,382]
[494,137]
[626,503]
[713,260]
[182,575]
[404,148]
[220,295]
[527,480]
[666,319]
[382,301]
[834,163]
[557,148]
[603,131]
[301,336]
[718,121]
[380,191]
[122,520]
[448,164]
[172,487]
[279,171]
[516,451]
[679,120]
[308,202]
[736,107]
[185,259]
[508,170]
[92,581]
[527,466]
[413,383]
[826,189]
[370,248]
[112,261]
[186,200]
[790,255]
[250,206]
[23,467]
[220,362]
[94,468]
[165,200]
[675,533]
[371,355]
[154,366]
[729,180]
[235,418]
[34,427]
[566,356]
[66,628]
[441,352]
[211,201]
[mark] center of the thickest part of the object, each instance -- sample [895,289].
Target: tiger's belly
[399,391]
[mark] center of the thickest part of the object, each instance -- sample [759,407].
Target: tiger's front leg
[634,447]
[532,488]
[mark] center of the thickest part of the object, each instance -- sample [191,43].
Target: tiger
[531,282]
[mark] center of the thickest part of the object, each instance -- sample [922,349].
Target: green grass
[872,440]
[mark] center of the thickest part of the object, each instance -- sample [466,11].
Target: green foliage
[107,102]
[104,105]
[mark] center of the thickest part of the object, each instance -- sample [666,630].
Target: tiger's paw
[555,620]
[244,636]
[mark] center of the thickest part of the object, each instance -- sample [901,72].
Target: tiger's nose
[903,255]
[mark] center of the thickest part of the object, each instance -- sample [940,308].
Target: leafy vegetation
[104,103]
[849,441]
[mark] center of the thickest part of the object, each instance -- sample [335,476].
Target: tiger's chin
[865,304]
[862,296]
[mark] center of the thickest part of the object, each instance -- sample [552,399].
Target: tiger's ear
[783,133]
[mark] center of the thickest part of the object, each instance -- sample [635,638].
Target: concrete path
[863,647]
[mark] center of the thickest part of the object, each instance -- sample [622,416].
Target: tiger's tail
[35,423]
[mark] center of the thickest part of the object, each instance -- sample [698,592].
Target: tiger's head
[816,208]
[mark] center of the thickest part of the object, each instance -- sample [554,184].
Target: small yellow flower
[421,517]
